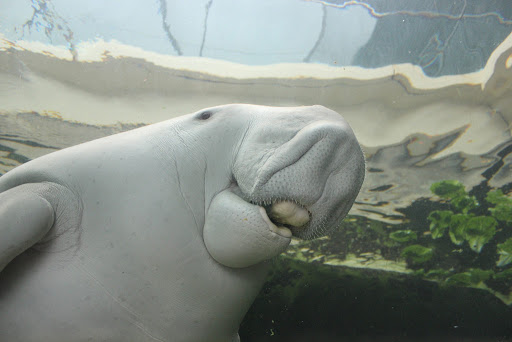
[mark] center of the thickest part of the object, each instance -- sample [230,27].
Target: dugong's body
[161,233]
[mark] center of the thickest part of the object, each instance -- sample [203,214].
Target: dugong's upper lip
[286,155]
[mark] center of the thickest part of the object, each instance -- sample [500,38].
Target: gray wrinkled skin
[162,233]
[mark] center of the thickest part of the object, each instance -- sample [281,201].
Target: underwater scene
[425,253]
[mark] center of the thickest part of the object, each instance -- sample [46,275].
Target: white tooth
[288,212]
[283,231]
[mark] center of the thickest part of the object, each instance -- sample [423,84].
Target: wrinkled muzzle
[321,169]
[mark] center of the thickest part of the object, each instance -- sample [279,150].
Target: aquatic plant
[479,230]
[505,252]
[503,209]
[403,235]
[440,220]
[454,191]
[464,226]
[448,189]
[417,254]
[438,273]
[457,228]
[472,277]
[504,275]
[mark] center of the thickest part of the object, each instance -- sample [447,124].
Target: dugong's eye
[205,115]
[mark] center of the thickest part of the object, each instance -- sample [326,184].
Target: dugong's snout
[311,181]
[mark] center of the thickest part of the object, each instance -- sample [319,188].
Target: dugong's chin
[238,233]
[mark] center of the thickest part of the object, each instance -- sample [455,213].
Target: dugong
[164,233]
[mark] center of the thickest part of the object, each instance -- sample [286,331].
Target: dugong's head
[292,171]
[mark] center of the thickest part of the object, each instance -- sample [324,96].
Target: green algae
[403,235]
[455,191]
[472,277]
[448,189]
[478,231]
[503,209]
[417,254]
[505,252]
[440,221]
[463,225]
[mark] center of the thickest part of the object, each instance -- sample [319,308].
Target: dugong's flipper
[240,234]
[27,213]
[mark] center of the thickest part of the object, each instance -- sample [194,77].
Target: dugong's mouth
[286,218]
